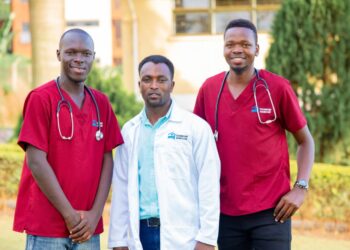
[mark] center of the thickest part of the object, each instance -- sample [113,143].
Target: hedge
[328,197]
[329,193]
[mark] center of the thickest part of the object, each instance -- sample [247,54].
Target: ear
[58,53]
[172,85]
[257,50]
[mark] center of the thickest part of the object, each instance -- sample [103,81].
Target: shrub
[11,159]
[328,198]
[329,193]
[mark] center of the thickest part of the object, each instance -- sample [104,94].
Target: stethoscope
[63,101]
[255,85]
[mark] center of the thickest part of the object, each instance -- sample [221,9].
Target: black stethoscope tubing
[99,134]
[258,78]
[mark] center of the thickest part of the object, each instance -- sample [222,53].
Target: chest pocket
[174,155]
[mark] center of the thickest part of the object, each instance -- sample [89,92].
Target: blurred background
[306,41]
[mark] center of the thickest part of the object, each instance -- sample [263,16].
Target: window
[25,34]
[82,23]
[211,16]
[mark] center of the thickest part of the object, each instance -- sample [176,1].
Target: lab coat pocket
[176,158]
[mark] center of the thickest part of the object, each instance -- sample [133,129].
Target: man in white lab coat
[166,174]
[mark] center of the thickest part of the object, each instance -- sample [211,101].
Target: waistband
[151,222]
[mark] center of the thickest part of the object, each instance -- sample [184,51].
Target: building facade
[190,33]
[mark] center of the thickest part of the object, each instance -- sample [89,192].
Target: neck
[155,113]
[241,79]
[73,88]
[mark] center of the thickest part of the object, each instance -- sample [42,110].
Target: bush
[109,81]
[328,198]
[329,193]
[11,160]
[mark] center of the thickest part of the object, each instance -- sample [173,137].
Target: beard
[239,70]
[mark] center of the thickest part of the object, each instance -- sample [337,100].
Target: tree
[47,23]
[109,81]
[6,35]
[311,48]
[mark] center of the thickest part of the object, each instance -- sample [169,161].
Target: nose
[78,57]
[237,49]
[154,84]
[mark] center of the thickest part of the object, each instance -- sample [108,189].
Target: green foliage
[311,48]
[17,129]
[6,35]
[329,194]
[109,81]
[12,64]
[328,197]
[11,159]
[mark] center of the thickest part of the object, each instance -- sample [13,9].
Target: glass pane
[261,2]
[192,3]
[232,2]
[223,18]
[192,23]
[264,20]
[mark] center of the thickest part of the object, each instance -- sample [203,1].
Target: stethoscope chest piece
[99,135]
[63,101]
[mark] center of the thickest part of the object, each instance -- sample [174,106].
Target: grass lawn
[10,240]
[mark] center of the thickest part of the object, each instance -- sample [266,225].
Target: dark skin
[156,85]
[76,54]
[240,50]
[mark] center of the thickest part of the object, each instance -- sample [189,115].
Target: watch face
[302,183]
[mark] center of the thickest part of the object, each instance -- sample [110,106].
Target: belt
[151,222]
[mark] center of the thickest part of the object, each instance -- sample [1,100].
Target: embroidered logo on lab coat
[174,136]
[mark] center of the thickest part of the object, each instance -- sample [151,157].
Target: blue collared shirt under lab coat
[148,191]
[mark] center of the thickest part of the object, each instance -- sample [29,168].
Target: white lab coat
[187,174]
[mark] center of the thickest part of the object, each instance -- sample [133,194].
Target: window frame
[253,8]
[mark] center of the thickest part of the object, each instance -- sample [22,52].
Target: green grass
[10,240]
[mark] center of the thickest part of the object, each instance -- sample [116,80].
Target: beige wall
[195,57]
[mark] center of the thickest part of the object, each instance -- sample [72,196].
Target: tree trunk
[47,23]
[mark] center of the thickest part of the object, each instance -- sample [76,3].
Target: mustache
[153,93]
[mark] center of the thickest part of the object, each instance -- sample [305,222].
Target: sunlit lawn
[10,240]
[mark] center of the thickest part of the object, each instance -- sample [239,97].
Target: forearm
[305,157]
[105,184]
[47,181]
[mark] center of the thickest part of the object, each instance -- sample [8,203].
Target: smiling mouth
[237,60]
[78,69]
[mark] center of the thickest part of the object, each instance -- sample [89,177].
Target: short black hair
[242,23]
[158,59]
[78,31]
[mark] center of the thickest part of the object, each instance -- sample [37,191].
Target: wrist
[302,184]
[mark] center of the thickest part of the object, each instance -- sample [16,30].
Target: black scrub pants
[257,231]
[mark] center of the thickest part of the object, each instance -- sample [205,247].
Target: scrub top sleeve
[199,105]
[113,135]
[36,122]
[293,118]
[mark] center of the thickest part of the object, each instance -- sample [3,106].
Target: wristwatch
[303,184]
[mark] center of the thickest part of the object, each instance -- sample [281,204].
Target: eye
[70,53]
[162,80]
[87,54]
[146,80]
[246,45]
